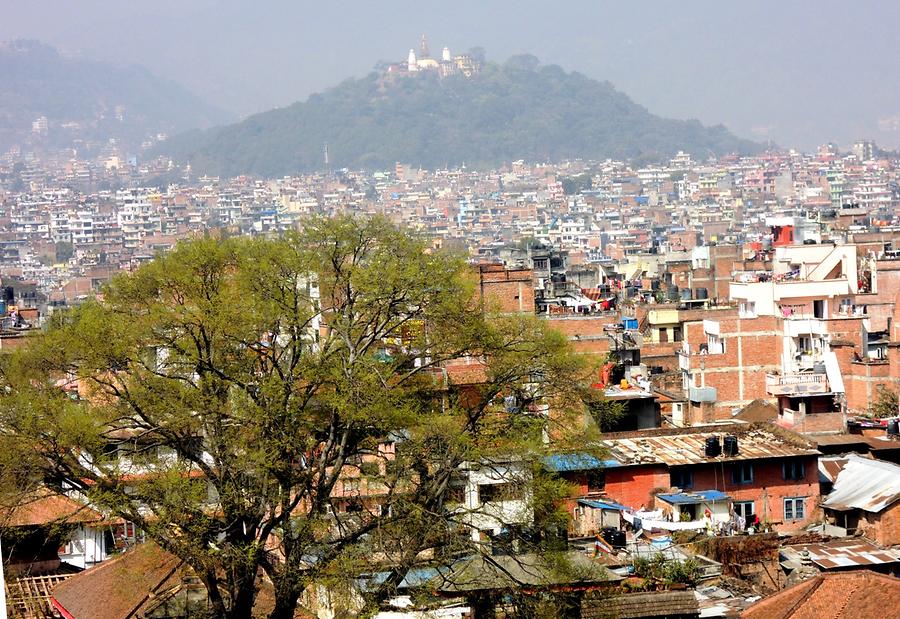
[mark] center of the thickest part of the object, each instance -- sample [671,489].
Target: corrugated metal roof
[869,485]
[845,553]
[689,448]
[559,463]
[690,498]
[830,467]
[603,505]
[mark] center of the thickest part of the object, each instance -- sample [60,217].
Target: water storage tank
[893,427]
[731,445]
[713,447]
[701,293]
[614,537]
[685,294]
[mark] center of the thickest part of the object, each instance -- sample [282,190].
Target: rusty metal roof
[830,467]
[869,485]
[754,443]
[846,553]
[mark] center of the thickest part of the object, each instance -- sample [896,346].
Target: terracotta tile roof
[650,604]
[117,588]
[44,507]
[838,595]
[134,583]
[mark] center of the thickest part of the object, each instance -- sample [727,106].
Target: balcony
[796,384]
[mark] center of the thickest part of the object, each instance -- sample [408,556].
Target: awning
[603,505]
[694,498]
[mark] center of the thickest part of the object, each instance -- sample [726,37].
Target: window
[819,309]
[744,509]
[681,478]
[794,508]
[715,345]
[793,470]
[742,473]
[596,481]
[494,493]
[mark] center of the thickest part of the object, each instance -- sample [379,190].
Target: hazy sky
[798,72]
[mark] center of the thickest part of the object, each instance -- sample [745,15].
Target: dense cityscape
[661,386]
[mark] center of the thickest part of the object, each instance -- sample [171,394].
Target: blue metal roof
[603,505]
[415,577]
[560,463]
[700,496]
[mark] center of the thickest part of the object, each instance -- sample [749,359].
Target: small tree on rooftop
[886,403]
[273,370]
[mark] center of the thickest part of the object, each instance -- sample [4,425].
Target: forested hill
[517,110]
[80,97]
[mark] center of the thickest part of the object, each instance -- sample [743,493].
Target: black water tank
[713,447]
[614,537]
[893,427]
[731,445]
[701,293]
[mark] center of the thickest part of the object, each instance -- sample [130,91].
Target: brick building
[773,474]
[865,499]
[505,290]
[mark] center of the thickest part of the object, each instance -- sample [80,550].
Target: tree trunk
[285,603]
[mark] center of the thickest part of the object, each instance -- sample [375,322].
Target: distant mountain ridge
[36,80]
[518,110]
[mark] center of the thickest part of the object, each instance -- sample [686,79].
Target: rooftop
[869,485]
[841,553]
[682,446]
[839,595]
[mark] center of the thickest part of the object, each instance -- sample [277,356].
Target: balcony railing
[790,384]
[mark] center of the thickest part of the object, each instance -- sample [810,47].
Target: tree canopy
[517,110]
[283,406]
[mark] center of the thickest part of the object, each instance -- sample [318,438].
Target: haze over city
[796,73]
[449,310]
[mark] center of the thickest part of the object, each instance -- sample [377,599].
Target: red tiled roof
[839,595]
[116,588]
[45,507]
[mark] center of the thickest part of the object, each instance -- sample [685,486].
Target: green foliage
[236,421]
[64,251]
[517,110]
[660,570]
[573,185]
[886,403]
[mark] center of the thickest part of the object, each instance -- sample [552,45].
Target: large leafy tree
[257,383]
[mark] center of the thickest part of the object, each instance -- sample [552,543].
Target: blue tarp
[603,505]
[688,498]
[560,463]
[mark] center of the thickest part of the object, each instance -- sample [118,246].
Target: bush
[886,403]
[667,571]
